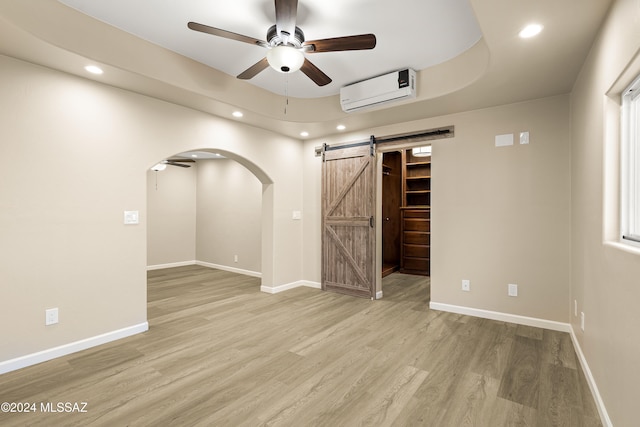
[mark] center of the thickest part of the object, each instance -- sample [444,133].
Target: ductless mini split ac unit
[379,90]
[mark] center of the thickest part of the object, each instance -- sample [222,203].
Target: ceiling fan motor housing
[276,39]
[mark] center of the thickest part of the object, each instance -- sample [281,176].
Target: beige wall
[171,216]
[605,275]
[74,156]
[228,215]
[499,215]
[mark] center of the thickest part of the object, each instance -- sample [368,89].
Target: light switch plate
[513,290]
[524,138]
[131,217]
[297,215]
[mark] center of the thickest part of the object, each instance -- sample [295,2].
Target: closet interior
[406,211]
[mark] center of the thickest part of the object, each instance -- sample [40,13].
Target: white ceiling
[500,68]
[410,33]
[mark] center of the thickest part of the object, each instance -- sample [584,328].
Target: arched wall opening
[217,213]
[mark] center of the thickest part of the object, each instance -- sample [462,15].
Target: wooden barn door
[348,233]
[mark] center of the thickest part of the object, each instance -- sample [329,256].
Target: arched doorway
[214,209]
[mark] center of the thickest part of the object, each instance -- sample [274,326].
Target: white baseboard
[230,269]
[504,317]
[205,264]
[170,265]
[287,286]
[602,410]
[63,350]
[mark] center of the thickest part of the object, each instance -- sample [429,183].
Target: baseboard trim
[504,317]
[288,286]
[63,350]
[170,265]
[230,269]
[205,264]
[602,410]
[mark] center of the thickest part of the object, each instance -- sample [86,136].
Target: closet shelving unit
[416,214]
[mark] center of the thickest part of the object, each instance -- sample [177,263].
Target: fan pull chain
[156,180]
[286,93]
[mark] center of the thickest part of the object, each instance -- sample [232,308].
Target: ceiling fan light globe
[285,59]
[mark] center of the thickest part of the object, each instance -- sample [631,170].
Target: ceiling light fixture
[530,30]
[285,59]
[341,127]
[159,167]
[237,114]
[93,69]
[421,151]
[304,134]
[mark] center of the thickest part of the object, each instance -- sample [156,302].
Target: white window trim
[630,165]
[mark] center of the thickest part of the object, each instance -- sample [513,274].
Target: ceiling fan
[178,162]
[287,45]
[172,162]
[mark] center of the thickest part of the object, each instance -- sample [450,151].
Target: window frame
[630,165]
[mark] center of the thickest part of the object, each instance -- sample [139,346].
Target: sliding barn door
[348,233]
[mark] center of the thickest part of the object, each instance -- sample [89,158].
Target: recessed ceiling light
[237,114]
[194,155]
[530,30]
[341,127]
[304,134]
[93,69]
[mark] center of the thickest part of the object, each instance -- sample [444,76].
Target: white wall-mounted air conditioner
[379,90]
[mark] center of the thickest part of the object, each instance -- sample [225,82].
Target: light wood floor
[221,353]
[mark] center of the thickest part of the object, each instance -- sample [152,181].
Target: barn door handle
[371,221]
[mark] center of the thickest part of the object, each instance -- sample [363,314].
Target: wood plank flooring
[221,353]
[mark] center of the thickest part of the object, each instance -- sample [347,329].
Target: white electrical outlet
[582,320]
[235,258]
[466,285]
[51,316]
[513,290]
[575,307]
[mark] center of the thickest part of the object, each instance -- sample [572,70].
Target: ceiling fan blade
[181,160]
[337,44]
[253,71]
[176,164]
[286,14]
[226,34]
[315,74]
